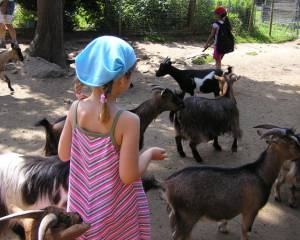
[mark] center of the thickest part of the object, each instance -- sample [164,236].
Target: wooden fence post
[271,18]
[251,18]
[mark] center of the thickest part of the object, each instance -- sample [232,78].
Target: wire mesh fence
[272,16]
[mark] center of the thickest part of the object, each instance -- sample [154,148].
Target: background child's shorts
[7,17]
[217,56]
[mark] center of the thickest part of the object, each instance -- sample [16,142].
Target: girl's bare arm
[210,37]
[132,165]
[65,141]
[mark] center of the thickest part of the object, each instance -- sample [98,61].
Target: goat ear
[259,133]
[163,92]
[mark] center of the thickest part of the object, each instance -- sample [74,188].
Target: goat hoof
[277,199]
[182,154]
[292,205]
[218,148]
[199,160]
[234,149]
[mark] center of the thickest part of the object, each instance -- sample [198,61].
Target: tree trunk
[191,12]
[48,41]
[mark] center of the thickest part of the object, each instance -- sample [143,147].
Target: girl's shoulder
[128,117]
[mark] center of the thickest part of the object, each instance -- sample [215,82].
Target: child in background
[226,43]
[7,8]
[102,143]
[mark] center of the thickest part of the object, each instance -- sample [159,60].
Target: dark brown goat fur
[220,194]
[205,119]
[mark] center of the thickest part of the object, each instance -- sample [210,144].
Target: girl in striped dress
[101,141]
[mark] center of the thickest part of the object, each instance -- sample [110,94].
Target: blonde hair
[104,113]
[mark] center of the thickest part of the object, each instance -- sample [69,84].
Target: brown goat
[290,174]
[220,194]
[15,54]
[51,223]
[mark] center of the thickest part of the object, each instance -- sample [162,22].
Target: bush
[203,59]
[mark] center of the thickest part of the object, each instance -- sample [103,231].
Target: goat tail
[150,182]
[44,123]
[229,69]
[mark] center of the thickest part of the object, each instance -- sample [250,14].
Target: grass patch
[261,35]
[252,53]
[203,59]
[155,38]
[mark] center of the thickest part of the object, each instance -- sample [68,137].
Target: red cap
[220,10]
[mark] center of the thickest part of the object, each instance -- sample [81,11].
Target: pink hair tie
[103,98]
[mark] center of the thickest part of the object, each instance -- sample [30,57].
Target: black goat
[205,119]
[220,194]
[190,80]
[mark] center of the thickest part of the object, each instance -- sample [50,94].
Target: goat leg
[292,198]
[234,145]
[277,186]
[247,221]
[179,146]
[216,144]
[223,227]
[182,227]
[7,80]
[196,155]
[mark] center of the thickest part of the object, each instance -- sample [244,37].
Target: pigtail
[104,112]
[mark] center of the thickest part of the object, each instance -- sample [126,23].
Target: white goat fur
[11,166]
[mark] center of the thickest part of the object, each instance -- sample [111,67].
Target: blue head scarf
[104,60]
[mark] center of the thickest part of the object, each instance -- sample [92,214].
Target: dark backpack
[225,39]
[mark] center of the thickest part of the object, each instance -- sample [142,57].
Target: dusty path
[268,92]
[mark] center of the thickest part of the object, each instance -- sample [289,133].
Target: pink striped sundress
[115,211]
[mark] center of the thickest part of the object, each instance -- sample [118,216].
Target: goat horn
[295,139]
[274,131]
[266,126]
[48,221]
[166,59]
[24,214]
[157,87]
[73,232]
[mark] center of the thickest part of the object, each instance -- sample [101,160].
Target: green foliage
[236,23]
[155,38]
[260,34]
[154,18]
[150,16]
[24,18]
[203,59]
[204,16]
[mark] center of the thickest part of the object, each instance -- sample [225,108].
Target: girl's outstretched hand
[158,153]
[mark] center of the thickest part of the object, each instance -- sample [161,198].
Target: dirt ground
[268,92]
